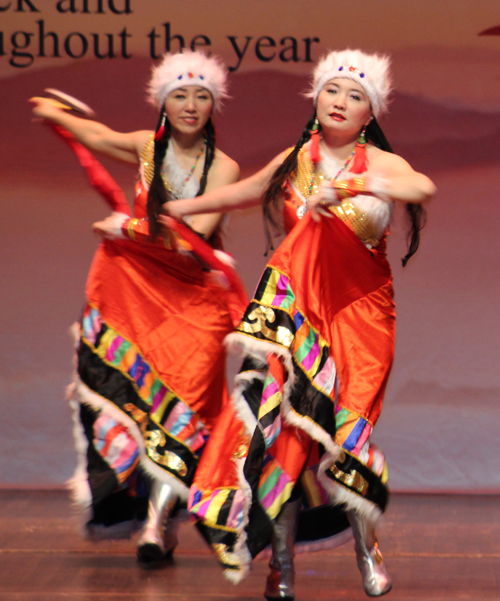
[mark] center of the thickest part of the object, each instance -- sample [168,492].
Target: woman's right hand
[46,108]
[111,227]
[173,209]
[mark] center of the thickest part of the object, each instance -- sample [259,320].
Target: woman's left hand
[111,227]
[318,204]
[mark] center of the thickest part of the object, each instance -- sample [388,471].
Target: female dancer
[317,340]
[150,381]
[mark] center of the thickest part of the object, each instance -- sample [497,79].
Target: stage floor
[437,547]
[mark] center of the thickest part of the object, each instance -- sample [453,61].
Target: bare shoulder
[386,161]
[224,167]
[140,139]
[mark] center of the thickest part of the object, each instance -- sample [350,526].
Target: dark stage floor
[438,548]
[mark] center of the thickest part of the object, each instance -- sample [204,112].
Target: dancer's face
[189,108]
[343,105]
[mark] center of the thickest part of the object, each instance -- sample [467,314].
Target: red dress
[151,372]
[318,343]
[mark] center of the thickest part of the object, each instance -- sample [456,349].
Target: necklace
[177,194]
[343,168]
[302,209]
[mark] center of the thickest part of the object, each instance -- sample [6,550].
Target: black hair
[158,193]
[415,212]
[274,190]
[374,134]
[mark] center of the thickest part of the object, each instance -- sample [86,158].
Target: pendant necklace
[302,209]
[177,194]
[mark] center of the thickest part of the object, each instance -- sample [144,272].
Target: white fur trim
[88,397]
[240,344]
[78,485]
[240,404]
[370,71]
[240,548]
[343,496]
[188,68]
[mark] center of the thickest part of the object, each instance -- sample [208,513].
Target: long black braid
[280,176]
[415,212]
[158,193]
[209,154]
[374,134]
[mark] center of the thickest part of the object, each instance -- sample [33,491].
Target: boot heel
[280,584]
[158,537]
[376,580]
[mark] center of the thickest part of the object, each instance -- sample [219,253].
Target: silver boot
[159,535]
[281,579]
[376,580]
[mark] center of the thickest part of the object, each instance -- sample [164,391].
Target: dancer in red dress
[150,381]
[317,340]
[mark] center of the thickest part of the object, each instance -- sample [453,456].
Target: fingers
[318,211]
[99,227]
[111,227]
[165,220]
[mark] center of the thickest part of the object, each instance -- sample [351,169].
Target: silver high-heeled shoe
[281,580]
[376,580]
[158,537]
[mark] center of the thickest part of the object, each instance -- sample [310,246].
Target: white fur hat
[370,71]
[187,68]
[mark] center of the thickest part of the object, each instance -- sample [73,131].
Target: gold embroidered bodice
[147,160]
[356,219]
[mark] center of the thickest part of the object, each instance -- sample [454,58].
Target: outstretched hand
[111,227]
[45,109]
[173,209]
[318,204]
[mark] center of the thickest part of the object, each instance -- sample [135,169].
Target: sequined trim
[148,164]
[356,220]
[147,160]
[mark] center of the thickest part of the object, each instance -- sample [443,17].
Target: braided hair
[158,193]
[374,134]
[280,176]
[416,213]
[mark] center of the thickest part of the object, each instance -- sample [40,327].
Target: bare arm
[246,193]
[224,171]
[390,176]
[93,135]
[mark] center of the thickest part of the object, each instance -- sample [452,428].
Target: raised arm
[246,193]
[391,178]
[125,147]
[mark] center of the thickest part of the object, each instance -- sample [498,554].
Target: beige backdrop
[441,412]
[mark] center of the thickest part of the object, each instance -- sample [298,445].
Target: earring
[314,148]
[161,129]
[362,136]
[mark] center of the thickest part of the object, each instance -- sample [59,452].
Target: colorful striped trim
[116,446]
[269,411]
[167,409]
[309,349]
[275,487]
[353,434]
[209,506]
[277,292]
